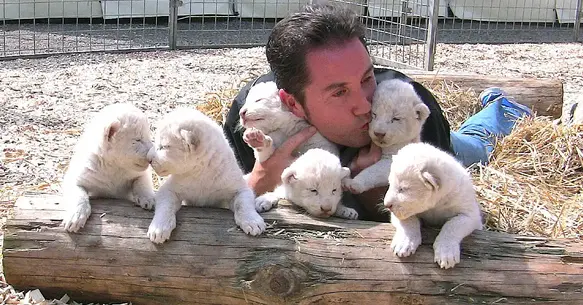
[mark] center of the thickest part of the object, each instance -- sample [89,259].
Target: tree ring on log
[283,282]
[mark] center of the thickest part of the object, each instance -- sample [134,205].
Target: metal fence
[510,21]
[401,33]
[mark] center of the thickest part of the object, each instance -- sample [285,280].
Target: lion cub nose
[325,209]
[379,134]
[242,113]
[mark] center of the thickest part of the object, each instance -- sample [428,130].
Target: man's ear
[189,138]
[422,112]
[291,103]
[345,173]
[289,176]
[111,130]
[430,180]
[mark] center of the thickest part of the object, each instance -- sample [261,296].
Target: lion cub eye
[333,191]
[315,191]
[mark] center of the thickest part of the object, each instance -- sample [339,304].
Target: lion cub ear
[430,180]
[110,130]
[422,112]
[289,176]
[190,139]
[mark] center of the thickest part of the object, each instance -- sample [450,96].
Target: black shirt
[435,130]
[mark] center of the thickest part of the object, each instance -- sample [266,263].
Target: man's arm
[368,204]
[265,176]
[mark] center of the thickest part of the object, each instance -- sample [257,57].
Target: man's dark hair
[294,36]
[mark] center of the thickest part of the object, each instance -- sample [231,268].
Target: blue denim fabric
[475,140]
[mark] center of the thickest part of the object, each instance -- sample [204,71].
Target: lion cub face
[314,182]
[398,114]
[127,137]
[413,181]
[263,109]
[184,137]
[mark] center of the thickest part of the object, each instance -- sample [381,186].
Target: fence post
[577,25]
[431,34]
[172,23]
[405,10]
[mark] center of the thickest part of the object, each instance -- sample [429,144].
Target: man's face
[338,98]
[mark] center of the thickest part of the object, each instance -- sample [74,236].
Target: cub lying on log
[313,182]
[427,184]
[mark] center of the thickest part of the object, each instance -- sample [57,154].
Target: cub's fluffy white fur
[268,123]
[313,182]
[398,115]
[109,161]
[192,149]
[428,184]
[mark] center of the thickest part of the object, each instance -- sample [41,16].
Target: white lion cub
[268,123]
[109,161]
[192,149]
[313,182]
[428,184]
[398,115]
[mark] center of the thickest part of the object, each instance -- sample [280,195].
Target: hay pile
[534,182]
[457,104]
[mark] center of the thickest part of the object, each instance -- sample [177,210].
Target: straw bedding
[533,184]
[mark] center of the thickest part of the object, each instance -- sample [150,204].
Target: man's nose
[362,103]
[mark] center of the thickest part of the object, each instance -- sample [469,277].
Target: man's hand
[372,199]
[366,157]
[266,175]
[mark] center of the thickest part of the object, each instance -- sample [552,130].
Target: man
[319,60]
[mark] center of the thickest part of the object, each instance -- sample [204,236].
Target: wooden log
[544,96]
[299,260]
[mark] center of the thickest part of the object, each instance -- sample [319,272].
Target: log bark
[299,260]
[544,96]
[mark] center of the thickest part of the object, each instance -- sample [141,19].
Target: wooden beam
[544,96]
[299,260]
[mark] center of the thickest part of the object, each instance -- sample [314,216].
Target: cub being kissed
[109,161]
[398,115]
[427,184]
[192,150]
[313,182]
[268,123]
